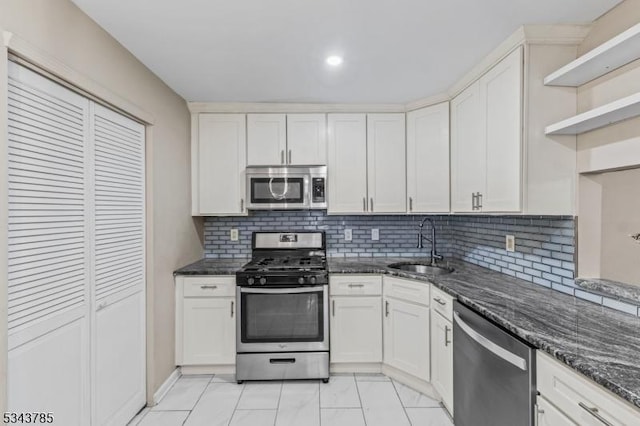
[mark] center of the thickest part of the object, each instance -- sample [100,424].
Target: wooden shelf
[604,115]
[614,53]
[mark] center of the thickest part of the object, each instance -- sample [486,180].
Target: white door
[221,157]
[266,139]
[442,358]
[306,139]
[406,337]
[209,334]
[347,163]
[118,331]
[48,249]
[356,329]
[501,92]
[549,415]
[468,161]
[386,165]
[428,159]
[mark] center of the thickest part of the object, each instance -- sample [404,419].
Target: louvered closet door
[118,330]
[48,295]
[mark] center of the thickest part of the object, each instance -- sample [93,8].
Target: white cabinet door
[406,337]
[501,100]
[209,330]
[306,139]
[356,329]
[428,159]
[442,358]
[219,156]
[266,139]
[386,165]
[467,149]
[347,163]
[549,415]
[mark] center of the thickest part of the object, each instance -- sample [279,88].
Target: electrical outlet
[510,243]
[233,234]
[375,234]
[348,235]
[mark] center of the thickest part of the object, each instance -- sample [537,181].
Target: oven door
[277,191]
[282,319]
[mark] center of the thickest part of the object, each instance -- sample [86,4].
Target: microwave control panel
[317,190]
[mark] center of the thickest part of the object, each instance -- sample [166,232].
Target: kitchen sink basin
[421,268]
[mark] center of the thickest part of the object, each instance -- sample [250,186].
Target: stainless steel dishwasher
[493,373]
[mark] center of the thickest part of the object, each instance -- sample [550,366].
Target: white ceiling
[394,51]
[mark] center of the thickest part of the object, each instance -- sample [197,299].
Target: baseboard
[164,388]
[355,367]
[207,369]
[413,382]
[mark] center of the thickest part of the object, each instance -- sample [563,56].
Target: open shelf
[614,53]
[604,115]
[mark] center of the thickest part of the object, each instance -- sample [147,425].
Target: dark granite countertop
[622,291]
[599,342]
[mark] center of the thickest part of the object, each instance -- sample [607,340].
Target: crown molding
[269,107]
[426,102]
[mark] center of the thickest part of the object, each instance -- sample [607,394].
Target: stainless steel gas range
[283,300]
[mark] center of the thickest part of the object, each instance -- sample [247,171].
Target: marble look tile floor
[347,400]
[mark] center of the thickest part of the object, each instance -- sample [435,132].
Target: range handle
[497,350]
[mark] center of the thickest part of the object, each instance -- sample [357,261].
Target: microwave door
[278,192]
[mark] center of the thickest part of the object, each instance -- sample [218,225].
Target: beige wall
[59,29]
[605,209]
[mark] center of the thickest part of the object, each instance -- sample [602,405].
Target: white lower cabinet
[548,415]
[356,319]
[406,330]
[205,320]
[442,358]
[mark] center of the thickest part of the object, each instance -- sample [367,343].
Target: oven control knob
[312,280]
[263,280]
[301,280]
[250,281]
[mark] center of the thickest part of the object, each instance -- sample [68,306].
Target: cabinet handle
[594,412]
[440,301]
[473,201]
[536,418]
[282,157]
[209,287]
[446,335]
[479,201]
[386,308]
[410,204]
[289,156]
[333,308]
[371,204]
[232,309]
[364,204]
[356,285]
[241,205]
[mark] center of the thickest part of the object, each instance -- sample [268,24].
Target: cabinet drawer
[576,396]
[441,302]
[407,290]
[202,286]
[355,285]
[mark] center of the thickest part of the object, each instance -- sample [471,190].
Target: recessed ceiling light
[334,60]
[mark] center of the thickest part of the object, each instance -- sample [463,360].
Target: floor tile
[224,378]
[340,392]
[260,396]
[412,398]
[216,405]
[253,418]
[381,405]
[341,417]
[299,404]
[429,417]
[164,418]
[184,394]
[371,377]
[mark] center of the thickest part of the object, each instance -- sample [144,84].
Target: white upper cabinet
[218,160]
[266,139]
[280,139]
[467,149]
[306,139]
[347,163]
[386,165]
[428,159]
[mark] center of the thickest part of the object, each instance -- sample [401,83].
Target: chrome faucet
[433,255]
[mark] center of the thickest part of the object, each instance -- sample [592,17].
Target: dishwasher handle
[497,350]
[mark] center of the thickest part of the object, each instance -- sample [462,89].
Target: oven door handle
[289,290]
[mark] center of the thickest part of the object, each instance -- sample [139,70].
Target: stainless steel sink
[421,268]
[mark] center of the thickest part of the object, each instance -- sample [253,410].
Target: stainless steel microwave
[286,187]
